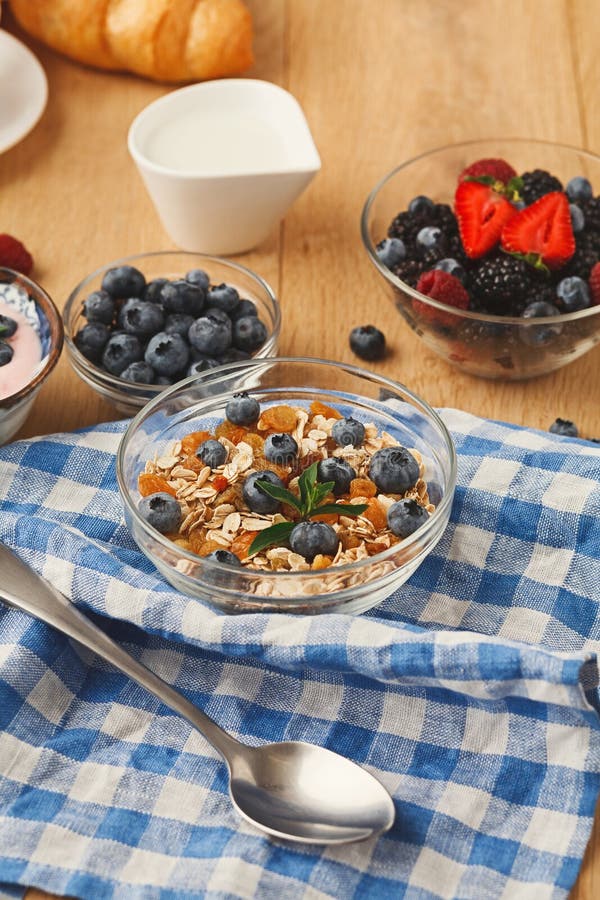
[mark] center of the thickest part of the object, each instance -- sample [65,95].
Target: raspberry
[595,284]
[14,255]
[496,168]
[443,287]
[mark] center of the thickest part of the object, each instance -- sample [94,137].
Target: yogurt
[27,353]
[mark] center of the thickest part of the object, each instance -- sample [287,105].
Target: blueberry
[202,365]
[182,297]
[140,317]
[121,350]
[564,427]
[367,342]
[198,277]
[8,326]
[535,336]
[308,539]
[579,189]
[242,409]
[99,307]
[92,339]
[233,355]
[224,297]
[577,218]
[153,289]
[244,308]
[255,498]
[212,453]
[178,323]
[348,431]
[519,204]
[219,315]
[225,557]
[421,206]
[6,353]
[124,281]
[452,267]
[210,335]
[249,333]
[430,238]
[574,294]
[162,379]
[391,252]
[140,372]
[281,449]
[406,516]
[337,470]
[167,353]
[394,470]
[161,511]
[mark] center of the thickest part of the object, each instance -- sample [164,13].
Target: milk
[217,143]
[27,353]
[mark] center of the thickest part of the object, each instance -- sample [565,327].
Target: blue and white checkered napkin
[472,694]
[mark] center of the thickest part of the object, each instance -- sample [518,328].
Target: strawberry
[444,287]
[14,255]
[594,282]
[482,213]
[542,230]
[497,169]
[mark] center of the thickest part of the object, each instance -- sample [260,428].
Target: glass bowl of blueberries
[287,485]
[142,323]
[490,251]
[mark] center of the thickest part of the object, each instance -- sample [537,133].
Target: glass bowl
[198,403]
[33,302]
[128,397]
[490,346]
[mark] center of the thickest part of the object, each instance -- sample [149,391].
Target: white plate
[23,90]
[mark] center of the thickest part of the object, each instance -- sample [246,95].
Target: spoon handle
[24,589]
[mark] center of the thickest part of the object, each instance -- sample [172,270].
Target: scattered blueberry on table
[368,342]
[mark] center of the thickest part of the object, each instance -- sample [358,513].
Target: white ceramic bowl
[15,408]
[222,161]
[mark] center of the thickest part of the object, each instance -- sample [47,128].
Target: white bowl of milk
[222,161]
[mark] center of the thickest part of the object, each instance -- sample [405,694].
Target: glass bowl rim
[430,301]
[50,310]
[360,565]
[101,375]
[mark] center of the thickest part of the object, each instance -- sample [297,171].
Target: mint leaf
[320,492]
[306,484]
[274,535]
[278,493]
[355,509]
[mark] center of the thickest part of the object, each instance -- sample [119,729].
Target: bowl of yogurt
[223,161]
[31,339]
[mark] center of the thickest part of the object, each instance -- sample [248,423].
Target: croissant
[167,40]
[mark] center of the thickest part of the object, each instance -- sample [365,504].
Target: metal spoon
[291,789]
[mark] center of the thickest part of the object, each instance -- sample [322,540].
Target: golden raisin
[241,543]
[193,462]
[278,419]
[154,484]
[208,547]
[321,562]
[362,487]
[233,433]
[260,464]
[376,514]
[321,409]
[197,539]
[255,441]
[192,441]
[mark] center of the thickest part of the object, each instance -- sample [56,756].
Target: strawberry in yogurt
[20,350]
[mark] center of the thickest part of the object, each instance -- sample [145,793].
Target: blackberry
[536,184]
[541,292]
[407,225]
[501,284]
[587,254]
[591,211]
[410,270]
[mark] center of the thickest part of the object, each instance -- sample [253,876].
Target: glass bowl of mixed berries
[491,253]
[287,485]
[140,324]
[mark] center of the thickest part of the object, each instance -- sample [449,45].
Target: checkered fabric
[471,693]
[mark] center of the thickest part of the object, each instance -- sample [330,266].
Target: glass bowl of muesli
[287,485]
[490,251]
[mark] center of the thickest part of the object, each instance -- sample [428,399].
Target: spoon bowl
[291,790]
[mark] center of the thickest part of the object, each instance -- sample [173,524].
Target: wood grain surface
[379,82]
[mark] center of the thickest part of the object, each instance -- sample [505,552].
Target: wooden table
[379,82]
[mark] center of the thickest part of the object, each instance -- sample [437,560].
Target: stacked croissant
[168,40]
